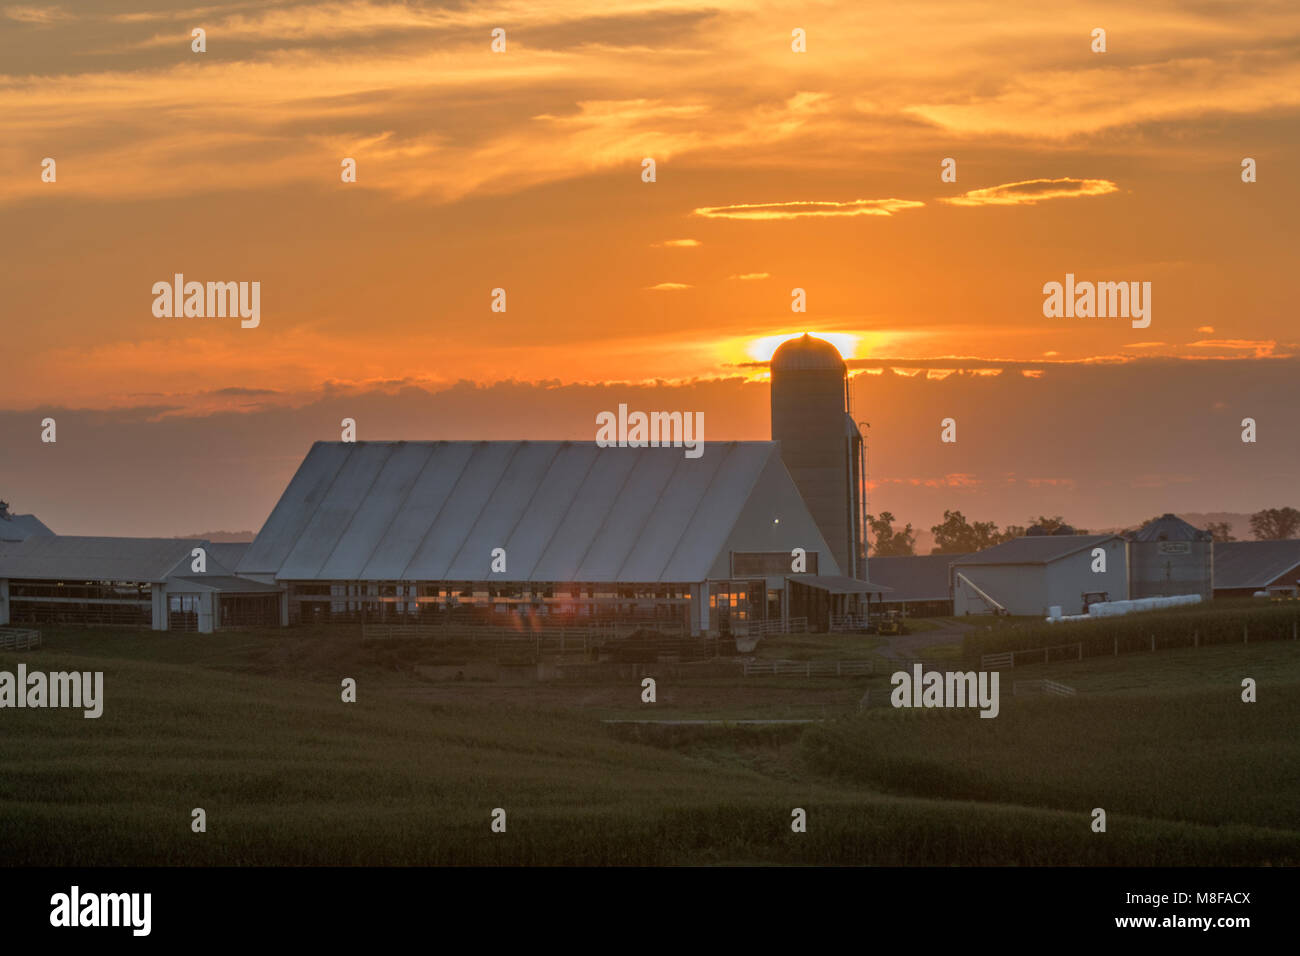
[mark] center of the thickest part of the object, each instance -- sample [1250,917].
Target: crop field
[250,727]
[1221,622]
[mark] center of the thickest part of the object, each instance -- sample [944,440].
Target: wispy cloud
[750,276]
[37,15]
[677,244]
[1032,191]
[668,287]
[804,209]
[1261,347]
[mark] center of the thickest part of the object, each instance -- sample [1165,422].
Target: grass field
[250,727]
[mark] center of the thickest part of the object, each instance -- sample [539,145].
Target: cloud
[1029,192]
[1206,329]
[814,208]
[1261,347]
[668,287]
[677,244]
[748,276]
[38,15]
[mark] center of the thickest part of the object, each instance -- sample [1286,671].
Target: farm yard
[249,726]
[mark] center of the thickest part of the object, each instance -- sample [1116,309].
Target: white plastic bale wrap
[1120,608]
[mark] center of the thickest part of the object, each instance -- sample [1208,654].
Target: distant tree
[1012,531]
[4,509]
[958,536]
[1275,524]
[1220,530]
[1052,525]
[888,542]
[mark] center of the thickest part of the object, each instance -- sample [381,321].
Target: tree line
[957,535]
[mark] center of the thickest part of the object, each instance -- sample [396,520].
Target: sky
[522,170]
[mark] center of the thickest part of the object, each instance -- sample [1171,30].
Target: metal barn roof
[223,583]
[227,553]
[564,511]
[1042,549]
[914,578]
[1169,527]
[837,584]
[71,558]
[1253,564]
[22,527]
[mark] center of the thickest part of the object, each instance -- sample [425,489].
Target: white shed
[1031,574]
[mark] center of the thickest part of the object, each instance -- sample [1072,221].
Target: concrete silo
[1168,556]
[820,443]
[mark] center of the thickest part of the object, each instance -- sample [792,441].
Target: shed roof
[563,511]
[22,527]
[920,577]
[837,584]
[1253,564]
[73,558]
[1043,549]
[223,583]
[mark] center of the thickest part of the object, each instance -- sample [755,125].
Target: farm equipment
[891,622]
[1094,597]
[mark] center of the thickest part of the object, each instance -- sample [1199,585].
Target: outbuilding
[1029,575]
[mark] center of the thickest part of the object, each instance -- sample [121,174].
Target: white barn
[409,531]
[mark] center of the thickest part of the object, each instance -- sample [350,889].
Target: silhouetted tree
[1220,530]
[1275,524]
[888,542]
[958,536]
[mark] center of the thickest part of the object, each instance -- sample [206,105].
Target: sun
[760,350]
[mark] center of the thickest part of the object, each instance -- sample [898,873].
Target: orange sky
[522,170]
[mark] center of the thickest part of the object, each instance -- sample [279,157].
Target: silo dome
[807,354]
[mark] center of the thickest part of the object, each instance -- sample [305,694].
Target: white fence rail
[1036,655]
[18,639]
[809,668]
[795,625]
[1023,688]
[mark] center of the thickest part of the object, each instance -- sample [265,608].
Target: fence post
[1245,633]
[1153,643]
[1117,647]
[1196,638]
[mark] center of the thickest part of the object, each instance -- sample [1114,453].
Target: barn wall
[1017,587]
[1069,577]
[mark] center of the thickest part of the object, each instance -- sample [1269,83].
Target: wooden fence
[1039,655]
[1022,688]
[795,625]
[808,668]
[848,622]
[18,639]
